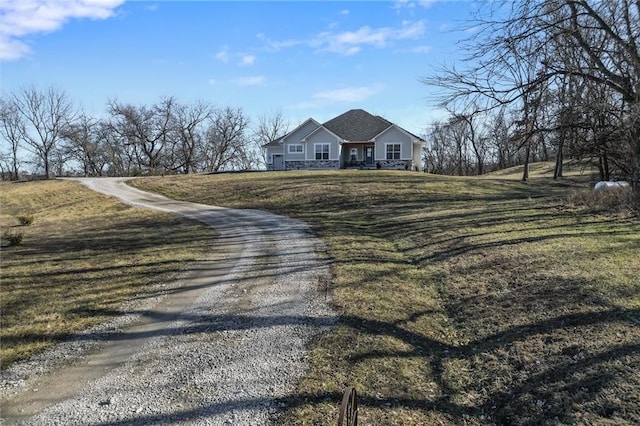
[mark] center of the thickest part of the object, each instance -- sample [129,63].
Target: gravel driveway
[225,344]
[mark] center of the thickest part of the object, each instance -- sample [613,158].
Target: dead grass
[572,169]
[82,256]
[463,300]
[621,200]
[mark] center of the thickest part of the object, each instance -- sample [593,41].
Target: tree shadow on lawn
[560,369]
[526,359]
[545,349]
[96,253]
[570,384]
[91,264]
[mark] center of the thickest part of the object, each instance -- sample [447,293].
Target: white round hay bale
[604,185]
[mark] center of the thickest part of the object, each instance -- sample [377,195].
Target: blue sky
[305,59]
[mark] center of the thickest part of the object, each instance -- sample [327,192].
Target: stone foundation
[335,164]
[395,164]
[312,165]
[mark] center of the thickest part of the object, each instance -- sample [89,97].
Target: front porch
[358,155]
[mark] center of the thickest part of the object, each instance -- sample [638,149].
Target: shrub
[13,239]
[610,200]
[25,220]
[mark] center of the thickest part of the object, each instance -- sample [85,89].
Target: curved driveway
[225,345]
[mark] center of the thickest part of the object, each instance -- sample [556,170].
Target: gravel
[225,345]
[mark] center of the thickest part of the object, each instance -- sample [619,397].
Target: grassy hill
[573,170]
[83,255]
[463,300]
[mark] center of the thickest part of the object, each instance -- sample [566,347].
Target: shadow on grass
[93,285]
[599,379]
[541,354]
[541,396]
[89,264]
[541,350]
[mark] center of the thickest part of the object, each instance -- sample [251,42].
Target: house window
[393,151]
[296,148]
[354,154]
[322,151]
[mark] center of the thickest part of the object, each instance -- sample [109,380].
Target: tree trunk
[603,166]
[525,173]
[45,159]
[635,163]
[545,151]
[557,172]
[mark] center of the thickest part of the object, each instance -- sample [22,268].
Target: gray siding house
[355,139]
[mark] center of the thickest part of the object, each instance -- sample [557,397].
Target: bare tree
[598,44]
[226,139]
[46,113]
[499,130]
[472,135]
[436,150]
[120,155]
[12,130]
[188,124]
[145,129]
[270,127]
[447,151]
[84,144]
[522,51]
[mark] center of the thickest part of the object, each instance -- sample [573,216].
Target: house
[353,139]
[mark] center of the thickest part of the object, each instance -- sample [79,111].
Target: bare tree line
[166,137]
[543,80]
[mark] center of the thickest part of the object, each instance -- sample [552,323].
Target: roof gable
[401,130]
[296,135]
[357,125]
[320,129]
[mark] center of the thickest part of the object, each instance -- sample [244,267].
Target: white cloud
[247,60]
[212,82]
[344,12]
[256,80]
[21,18]
[351,42]
[348,94]
[12,49]
[402,4]
[416,49]
[406,4]
[275,46]
[223,54]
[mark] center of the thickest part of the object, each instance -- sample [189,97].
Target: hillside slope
[463,300]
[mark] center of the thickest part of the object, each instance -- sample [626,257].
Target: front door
[278,162]
[368,156]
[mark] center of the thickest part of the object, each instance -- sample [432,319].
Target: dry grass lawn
[463,300]
[81,258]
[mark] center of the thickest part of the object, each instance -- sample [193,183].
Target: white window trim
[386,151]
[315,151]
[295,145]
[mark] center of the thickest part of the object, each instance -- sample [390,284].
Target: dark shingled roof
[357,125]
[275,142]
